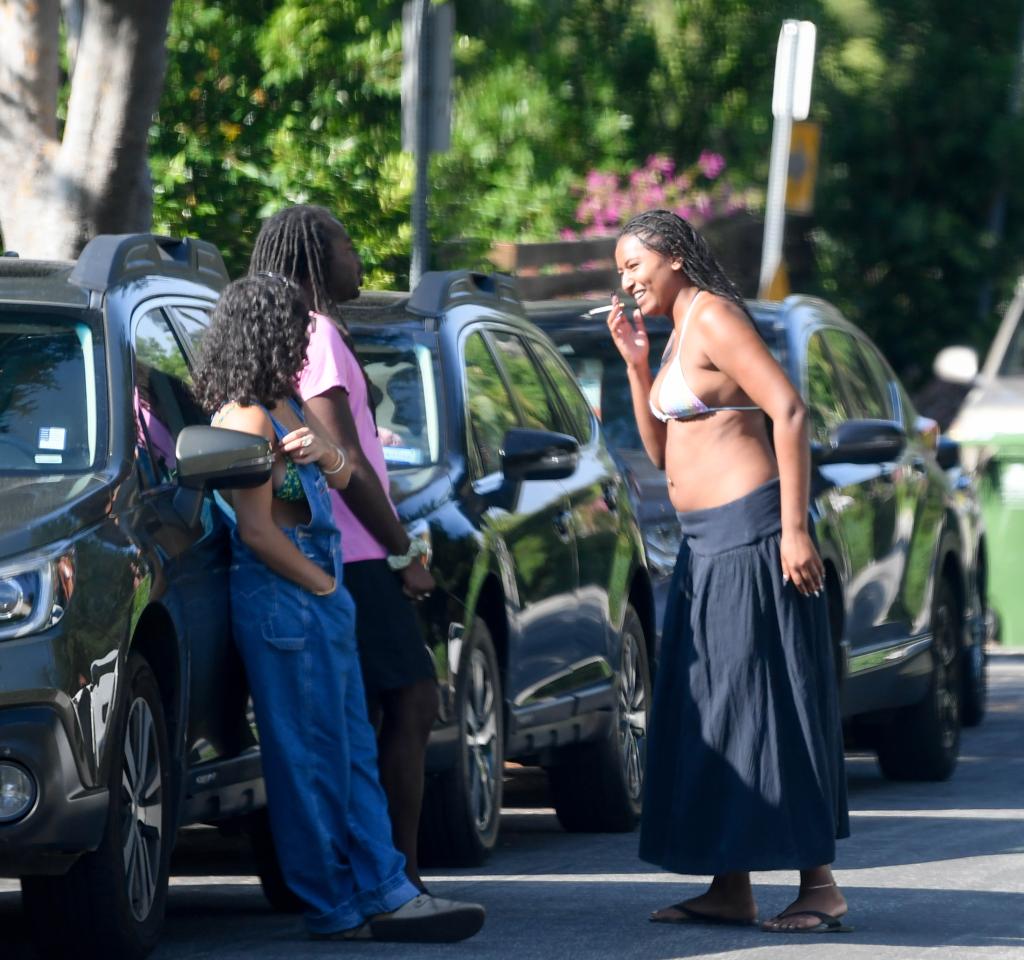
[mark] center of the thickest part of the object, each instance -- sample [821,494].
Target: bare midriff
[718,458]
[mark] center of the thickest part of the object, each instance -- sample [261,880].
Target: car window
[868,398]
[52,390]
[194,322]
[489,409]
[568,391]
[824,400]
[881,377]
[407,410]
[532,394]
[164,402]
[602,376]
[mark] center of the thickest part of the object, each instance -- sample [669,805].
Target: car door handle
[611,495]
[562,523]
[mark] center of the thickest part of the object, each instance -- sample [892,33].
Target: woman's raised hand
[630,338]
[304,447]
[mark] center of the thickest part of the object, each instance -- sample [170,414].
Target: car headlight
[17,792]
[34,591]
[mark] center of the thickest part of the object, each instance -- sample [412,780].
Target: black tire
[277,892]
[462,806]
[597,788]
[923,740]
[111,903]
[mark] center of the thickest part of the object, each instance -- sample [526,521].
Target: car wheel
[923,740]
[111,902]
[268,868]
[462,806]
[598,786]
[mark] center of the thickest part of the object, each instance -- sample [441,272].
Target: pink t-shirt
[331,364]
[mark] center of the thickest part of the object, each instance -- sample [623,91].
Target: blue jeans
[328,813]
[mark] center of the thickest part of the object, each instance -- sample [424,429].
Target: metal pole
[420,236]
[778,169]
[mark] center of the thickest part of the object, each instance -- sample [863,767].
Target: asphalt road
[931,870]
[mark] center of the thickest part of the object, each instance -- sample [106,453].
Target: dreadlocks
[296,242]
[670,235]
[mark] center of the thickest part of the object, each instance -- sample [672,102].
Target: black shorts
[392,651]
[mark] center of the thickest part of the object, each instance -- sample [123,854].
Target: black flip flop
[829,923]
[691,916]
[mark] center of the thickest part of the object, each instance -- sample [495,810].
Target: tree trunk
[95,177]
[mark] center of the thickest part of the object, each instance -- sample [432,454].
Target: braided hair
[670,235]
[296,242]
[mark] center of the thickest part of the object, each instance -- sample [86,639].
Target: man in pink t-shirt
[382,565]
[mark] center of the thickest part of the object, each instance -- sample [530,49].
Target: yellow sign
[778,289]
[804,145]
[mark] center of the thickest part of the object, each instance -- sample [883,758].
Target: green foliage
[275,101]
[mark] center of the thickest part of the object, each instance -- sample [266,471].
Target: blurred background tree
[275,101]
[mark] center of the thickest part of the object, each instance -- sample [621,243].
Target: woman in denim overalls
[293,622]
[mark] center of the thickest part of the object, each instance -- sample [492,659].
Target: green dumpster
[1001,491]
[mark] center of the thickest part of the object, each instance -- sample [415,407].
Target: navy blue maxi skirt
[745,763]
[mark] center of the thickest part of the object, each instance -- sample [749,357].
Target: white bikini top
[676,401]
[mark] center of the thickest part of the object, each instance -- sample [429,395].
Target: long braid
[296,243]
[670,235]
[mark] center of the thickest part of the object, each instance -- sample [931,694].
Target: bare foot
[712,905]
[824,899]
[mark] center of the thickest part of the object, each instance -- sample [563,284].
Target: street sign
[805,143]
[791,99]
[437,89]
[794,69]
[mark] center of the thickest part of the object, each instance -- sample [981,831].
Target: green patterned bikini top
[291,486]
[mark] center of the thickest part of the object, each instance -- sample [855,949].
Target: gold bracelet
[328,591]
[338,467]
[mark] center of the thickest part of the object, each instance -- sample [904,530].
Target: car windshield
[51,394]
[401,371]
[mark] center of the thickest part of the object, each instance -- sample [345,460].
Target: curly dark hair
[670,235]
[256,344]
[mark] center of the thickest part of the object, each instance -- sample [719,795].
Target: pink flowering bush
[698,193]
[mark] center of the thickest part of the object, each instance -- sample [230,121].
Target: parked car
[543,623]
[122,700]
[903,546]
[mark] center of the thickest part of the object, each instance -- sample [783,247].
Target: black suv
[123,708]
[543,625]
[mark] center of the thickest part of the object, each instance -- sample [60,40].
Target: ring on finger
[306,441]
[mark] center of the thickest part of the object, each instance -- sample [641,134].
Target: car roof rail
[438,290]
[111,259]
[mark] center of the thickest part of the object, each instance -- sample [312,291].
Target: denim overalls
[328,813]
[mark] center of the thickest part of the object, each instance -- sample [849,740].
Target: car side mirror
[863,442]
[538,454]
[213,457]
[956,365]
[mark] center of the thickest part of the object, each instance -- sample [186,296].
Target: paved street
[930,868]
